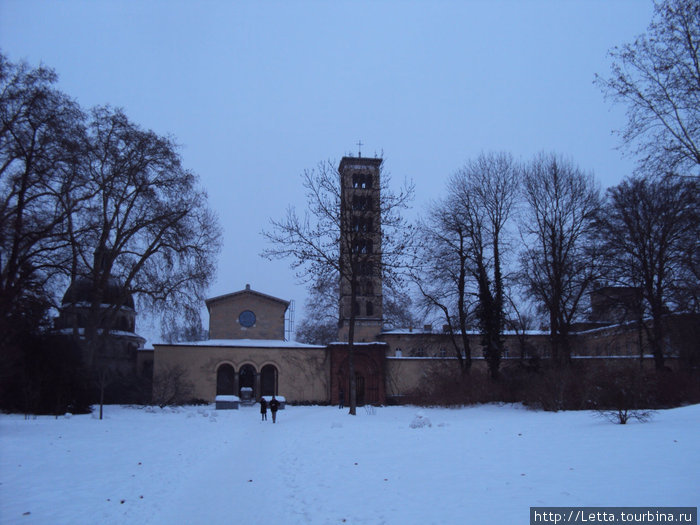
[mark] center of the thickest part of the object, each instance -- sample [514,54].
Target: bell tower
[360,247]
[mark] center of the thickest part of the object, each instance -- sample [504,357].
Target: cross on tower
[359,149]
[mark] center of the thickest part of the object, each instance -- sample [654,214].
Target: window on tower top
[362,180]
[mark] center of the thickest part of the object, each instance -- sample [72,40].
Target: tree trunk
[351,340]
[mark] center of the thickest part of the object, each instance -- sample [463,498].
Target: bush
[171,387]
[623,389]
[46,376]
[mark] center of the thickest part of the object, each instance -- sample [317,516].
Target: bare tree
[464,238]
[313,242]
[171,386]
[398,310]
[649,229]
[41,136]
[441,271]
[143,224]
[559,265]
[320,324]
[658,77]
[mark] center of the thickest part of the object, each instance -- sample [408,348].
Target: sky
[257,92]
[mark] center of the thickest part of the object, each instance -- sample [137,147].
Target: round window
[247,318]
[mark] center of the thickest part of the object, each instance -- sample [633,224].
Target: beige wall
[303,374]
[224,312]
[433,344]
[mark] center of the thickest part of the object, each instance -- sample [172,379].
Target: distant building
[247,348]
[120,345]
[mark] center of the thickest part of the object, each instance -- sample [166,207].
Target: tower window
[361,203]
[369,308]
[362,224]
[363,246]
[362,180]
[366,268]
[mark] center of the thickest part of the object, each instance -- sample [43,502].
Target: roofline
[369,161]
[218,298]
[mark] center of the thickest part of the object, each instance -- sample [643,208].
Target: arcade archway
[225,380]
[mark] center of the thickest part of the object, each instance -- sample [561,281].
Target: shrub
[170,387]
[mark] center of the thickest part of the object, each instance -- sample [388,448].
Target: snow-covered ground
[480,465]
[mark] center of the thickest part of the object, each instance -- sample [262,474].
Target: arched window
[268,380]
[246,379]
[225,380]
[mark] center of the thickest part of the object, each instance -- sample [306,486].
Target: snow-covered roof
[244,343]
[114,333]
[420,331]
[359,343]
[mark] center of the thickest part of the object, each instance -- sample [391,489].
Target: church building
[247,351]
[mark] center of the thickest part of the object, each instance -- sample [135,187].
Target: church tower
[360,247]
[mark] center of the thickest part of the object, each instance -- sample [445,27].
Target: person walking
[274,405]
[263,409]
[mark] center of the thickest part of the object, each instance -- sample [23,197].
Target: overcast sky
[257,92]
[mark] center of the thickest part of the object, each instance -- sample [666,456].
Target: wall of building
[224,313]
[421,343]
[303,374]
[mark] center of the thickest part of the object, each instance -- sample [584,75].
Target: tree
[441,272]
[320,324]
[558,265]
[41,136]
[461,255]
[143,222]
[398,309]
[649,230]
[313,242]
[658,77]
[488,188]
[171,386]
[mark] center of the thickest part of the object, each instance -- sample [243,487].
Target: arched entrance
[225,380]
[359,389]
[268,380]
[369,374]
[246,379]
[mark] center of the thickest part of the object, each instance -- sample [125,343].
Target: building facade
[247,349]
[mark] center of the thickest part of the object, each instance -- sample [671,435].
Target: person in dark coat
[263,409]
[274,406]
[341,399]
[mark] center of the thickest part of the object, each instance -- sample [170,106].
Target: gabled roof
[247,291]
[246,343]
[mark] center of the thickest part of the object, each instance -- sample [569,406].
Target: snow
[227,398]
[245,343]
[484,464]
[281,399]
